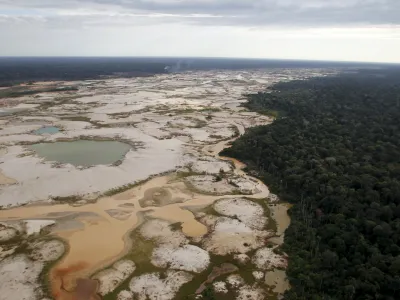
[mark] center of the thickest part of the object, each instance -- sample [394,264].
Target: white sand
[186,258]
[35,226]
[242,258]
[233,236]
[125,295]
[250,293]
[211,166]
[209,184]
[19,278]
[7,233]
[220,287]
[151,286]
[235,281]
[247,211]
[160,232]
[265,259]
[43,181]
[258,275]
[111,278]
[48,250]
[233,185]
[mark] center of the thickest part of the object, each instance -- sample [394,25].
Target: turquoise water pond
[48,130]
[82,153]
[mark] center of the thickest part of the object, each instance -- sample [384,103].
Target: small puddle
[47,130]
[280,215]
[82,153]
[10,111]
[277,280]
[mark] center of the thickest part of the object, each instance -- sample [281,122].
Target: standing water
[48,130]
[82,153]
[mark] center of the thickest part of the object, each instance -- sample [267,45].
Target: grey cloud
[309,13]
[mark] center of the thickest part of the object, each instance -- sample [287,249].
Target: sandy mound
[207,220]
[265,259]
[273,198]
[235,280]
[249,212]
[7,233]
[250,293]
[159,197]
[210,185]
[242,258]
[160,232]
[245,186]
[151,286]
[35,226]
[211,166]
[6,251]
[119,214]
[217,185]
[225,268]
[111,278]
[125,295]
[18,278]
[220,287]
[232,236]
[187,258]
[258,275]
[48,250]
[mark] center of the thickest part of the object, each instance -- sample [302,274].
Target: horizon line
[205,57]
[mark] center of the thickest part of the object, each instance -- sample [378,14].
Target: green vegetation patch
[335,156]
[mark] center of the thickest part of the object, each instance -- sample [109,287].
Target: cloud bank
[281,21]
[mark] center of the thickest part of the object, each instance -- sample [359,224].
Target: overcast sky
[351,30]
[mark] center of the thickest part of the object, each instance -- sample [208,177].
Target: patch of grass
[57,101]
[85,119]
[199,124]
[211,109]
[271,225]
[236,132]
[76,118]
[217,137]
[124,188]
[19,91]
[119,115]
[176,226]
[141,255]
[182,175]
[44,277]
[67,199]
[27,153]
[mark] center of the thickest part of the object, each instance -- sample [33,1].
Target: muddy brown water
[102,239]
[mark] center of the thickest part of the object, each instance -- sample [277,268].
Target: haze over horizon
[343,30]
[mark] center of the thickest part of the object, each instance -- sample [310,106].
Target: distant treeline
[16,70]
[334,152]
[22,69]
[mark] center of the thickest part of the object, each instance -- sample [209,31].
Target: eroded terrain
[163,216]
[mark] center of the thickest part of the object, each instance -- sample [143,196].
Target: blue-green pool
[47,130]
[83,153]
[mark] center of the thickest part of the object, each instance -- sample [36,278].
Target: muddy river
[100,233]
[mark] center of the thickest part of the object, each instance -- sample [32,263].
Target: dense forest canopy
[20,69]
[334,152]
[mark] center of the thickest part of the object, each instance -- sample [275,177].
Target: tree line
[334,152]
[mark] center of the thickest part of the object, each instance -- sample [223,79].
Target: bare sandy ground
[4,180]
[182,122]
